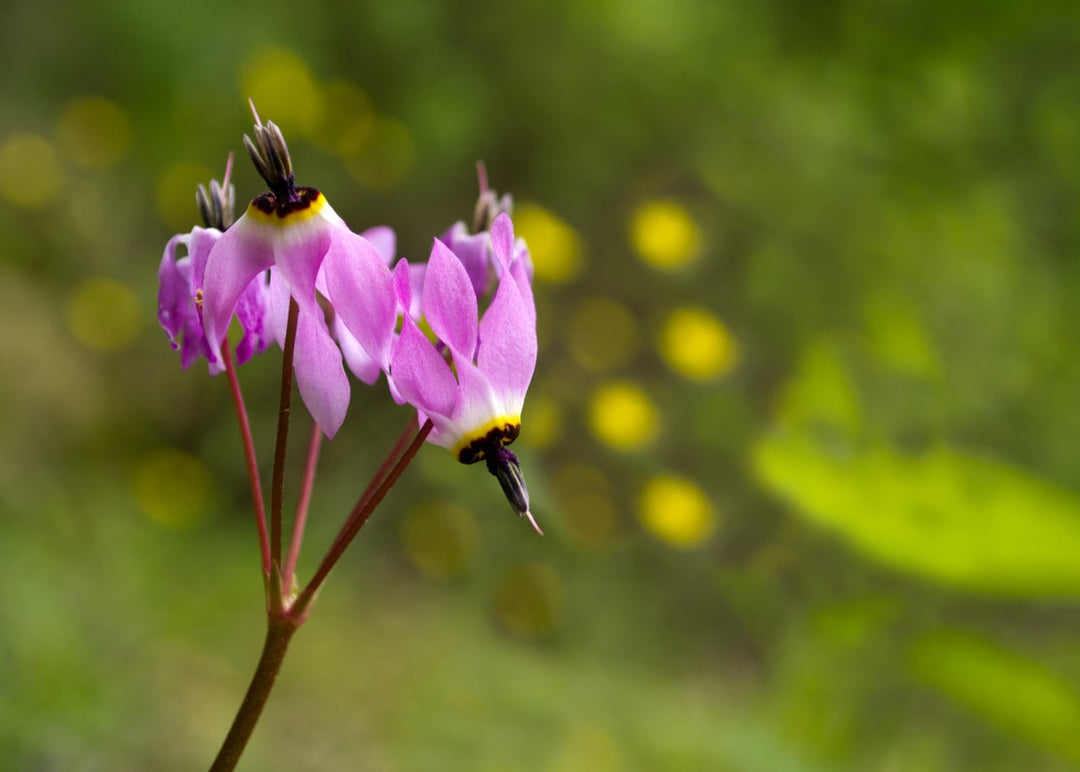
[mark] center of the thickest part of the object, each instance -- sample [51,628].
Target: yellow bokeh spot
[172,488]
[554,246]
[439,540]
[585,502]
[347,120]
[676,510]
[94,131]
[622,415]
[602,334]
[697,345]
[664,235]
[29,173]
[103,314]
[542,422]
[280,83]
[386,156]
[175,194]
[528,600]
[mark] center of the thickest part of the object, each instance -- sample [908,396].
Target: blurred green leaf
[947,515]
[1014,693]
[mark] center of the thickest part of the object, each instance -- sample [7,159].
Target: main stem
[279,632]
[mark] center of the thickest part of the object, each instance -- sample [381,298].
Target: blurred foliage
[802,434]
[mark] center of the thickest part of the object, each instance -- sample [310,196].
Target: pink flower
[181,281]
[293,233]
[475,399]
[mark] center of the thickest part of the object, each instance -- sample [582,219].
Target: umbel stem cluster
[292,272]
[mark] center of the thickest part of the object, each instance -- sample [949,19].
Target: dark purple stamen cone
[504,465]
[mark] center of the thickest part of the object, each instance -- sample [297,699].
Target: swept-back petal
[502,239]
[507,355]
[384,240]
[202,241]
[299,249]
[519,270]
[472,250]
[320,378]
[479,404]
[174,290]
[449,302]
[359,361]
[237,257]
[251,310]
[421,376]
[278,307]
[361,289]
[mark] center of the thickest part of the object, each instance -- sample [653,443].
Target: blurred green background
[803,434]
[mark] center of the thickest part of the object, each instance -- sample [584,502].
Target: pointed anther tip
[254,112]
[532,520]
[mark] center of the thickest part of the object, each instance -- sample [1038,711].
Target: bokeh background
[803,433]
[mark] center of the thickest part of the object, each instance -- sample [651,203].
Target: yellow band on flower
[267,210]
[498,431]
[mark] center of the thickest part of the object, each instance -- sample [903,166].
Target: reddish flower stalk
[282,623]
[277,486]
[362,511]
[249,457]
[306,484]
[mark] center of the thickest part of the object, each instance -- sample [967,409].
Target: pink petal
[202,241]
[174,290]
[299,250]
[360,363]
[384,240]
[449,302]
[420,374]
[278,306]
[320,378]
[472,250]
[502,239]
[479,403]
[521,269]
[507,355]
[361,289]
[237,257]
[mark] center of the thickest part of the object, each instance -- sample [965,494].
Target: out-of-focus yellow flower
[29,173]
[554,246]
[94,131]
[676,510]
[172,488]
[664,235]
[622,415]
[283,89]
[103,314]
[602,334]
[697,345]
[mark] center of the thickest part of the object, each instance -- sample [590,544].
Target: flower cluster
[291,270]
